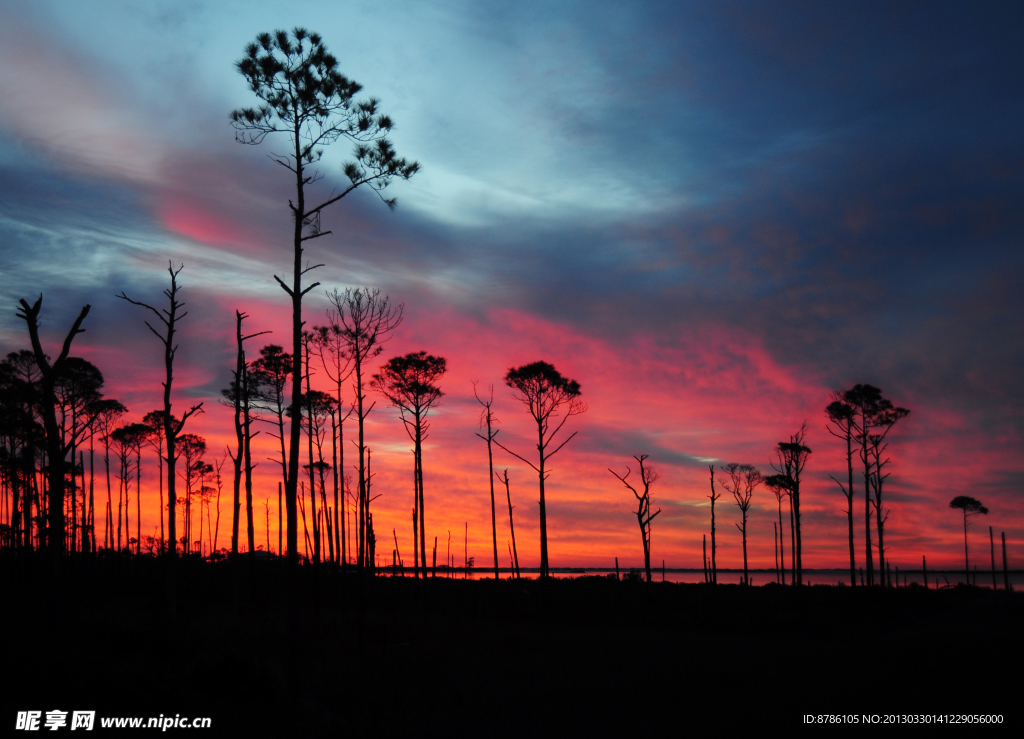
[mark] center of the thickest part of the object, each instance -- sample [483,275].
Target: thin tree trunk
[334,461]
[296,292]
[312,483]
[792,542]
[239,455]
[511,525]
[490,470]
[714,561]
[782,544]
[992,548]
[967,566]
[422,506]
[247,451]
[746,575]
[138,498]
[849,500]
[776,530]
[543,507]
[1006,572]
[869,559]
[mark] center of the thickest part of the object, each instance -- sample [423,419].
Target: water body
[942,578]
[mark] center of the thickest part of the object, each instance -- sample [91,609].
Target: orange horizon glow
[716,395]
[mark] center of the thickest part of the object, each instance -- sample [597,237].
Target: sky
[710,215]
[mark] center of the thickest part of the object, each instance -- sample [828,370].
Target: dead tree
[713,497]
[648,475]
[488,420]
[304,96]
[169,317]
[743,478]
[548,396]
[511,524]
[240,395]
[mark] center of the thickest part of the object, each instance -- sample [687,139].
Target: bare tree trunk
[138,497]
[92,498]
[714,562]
[361,552]
[415,547]
[312,484]
[870,566]
[776,531]
[511,525]
[782,544]
[543,507]
[849,500]
[490,470]
[992,548]
[1006,572]
[746,575]
[334,462]
[967,566]
[296,292]
[419,476]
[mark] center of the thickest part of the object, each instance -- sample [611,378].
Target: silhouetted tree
[155,421]
[648,475]
[511,524]
[743,478]
[410,384]
[136,435]
[272,370]
[109,411]
[123,448]
[240,394]
[192,449]
[970,507]
[56,449]
[871,411]
[841,425]
[169,317]
[780,487]
[548,397]
[304,96]
[24,436]
[714,548]
[76,389]
[319,408]
[790,460]
[365,320]
[884,420]
[337,362]
[488,420]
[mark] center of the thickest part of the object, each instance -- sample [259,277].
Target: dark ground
[386,656]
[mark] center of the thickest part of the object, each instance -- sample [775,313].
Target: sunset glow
[710,219]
